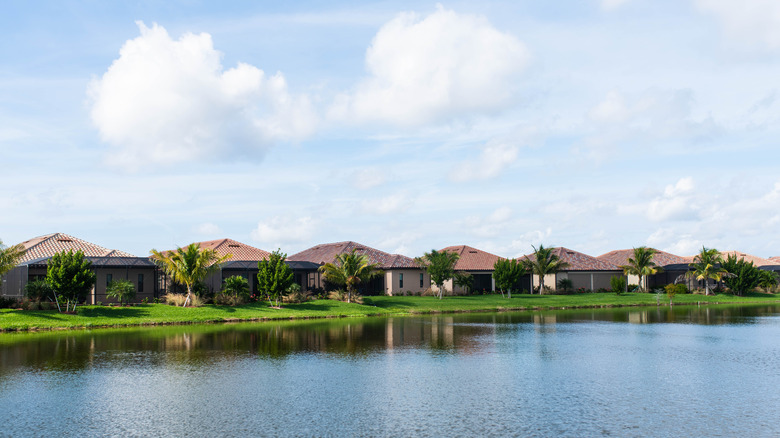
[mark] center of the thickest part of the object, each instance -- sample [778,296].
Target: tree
[544,262]
[707,265]
[642,265]
[767,279]
[349,270]
[9,257]
[274,276]
[464,280]
[39,290]
[188,266]
[617,283]
[507,273]
[122,290]
[71,276]
[440,265]
[743,275]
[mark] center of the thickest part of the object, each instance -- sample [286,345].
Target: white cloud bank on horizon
[428,69]
[165,101]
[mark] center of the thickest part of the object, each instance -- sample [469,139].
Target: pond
[691,371]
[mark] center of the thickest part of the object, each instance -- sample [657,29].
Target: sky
[406,126]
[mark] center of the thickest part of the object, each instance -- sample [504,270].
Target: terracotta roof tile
[757,261]
[240,251]
[50,244]
[661,258]
[579,261]
[327,252]
[472,259]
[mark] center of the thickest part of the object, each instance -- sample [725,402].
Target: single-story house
[584,271]
[401,276]
[108,265]
[244,263]
[475,262]
[672,266]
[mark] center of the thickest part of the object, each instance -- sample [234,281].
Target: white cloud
[609,5]
[669,240]
[369,178]
[207,229]
[492,225]
[280,230]
[751,21]
[428,69]
[677,202]
[493,160]
[391,204]
[165,101]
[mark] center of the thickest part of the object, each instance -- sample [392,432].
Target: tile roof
[472,259]
[327,252]
[578,261]
[240,251]
[661,258]
[775,259]
[50,244]
[757,261]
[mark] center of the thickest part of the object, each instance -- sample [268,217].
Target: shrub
[565,284]
[145,300]
[618,284]
[341,295]
[234,292]
[39,290]
[175,299]
[296,295]
[226,299]
[633,288]
[8,303]
[121,290]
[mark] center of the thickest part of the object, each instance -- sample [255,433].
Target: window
[109,277]
[401,281]
[140,282]
[421,280]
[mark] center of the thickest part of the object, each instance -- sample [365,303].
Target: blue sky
[595,125]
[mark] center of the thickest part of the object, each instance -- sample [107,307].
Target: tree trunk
[509,293]
[189,296]
[541,284]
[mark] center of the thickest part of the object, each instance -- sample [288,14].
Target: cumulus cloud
[755,22]
[493,160]
[676,203]
[424,69]
[492,225]
[166,101]
[280,230]
[675,242]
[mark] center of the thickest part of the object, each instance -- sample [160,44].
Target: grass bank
[153,314]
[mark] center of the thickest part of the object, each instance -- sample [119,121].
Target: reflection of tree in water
[463,333]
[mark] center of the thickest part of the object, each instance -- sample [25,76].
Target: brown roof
[472,259]
[757,261]
[578,261]
[327,252]
[661,258]
[239,251]
[50,244]
[775,259]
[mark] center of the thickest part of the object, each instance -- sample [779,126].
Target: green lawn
[95,316]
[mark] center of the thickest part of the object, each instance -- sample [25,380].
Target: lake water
[710,371]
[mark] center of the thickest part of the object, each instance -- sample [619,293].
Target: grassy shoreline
[89,317]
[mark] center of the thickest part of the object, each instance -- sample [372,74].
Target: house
[477,263]
[584,271]
[401,276]
[107,264]
[244,263]
[672,266]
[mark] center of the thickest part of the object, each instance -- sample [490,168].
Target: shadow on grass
[43,314]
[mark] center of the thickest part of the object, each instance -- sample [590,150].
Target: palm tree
[642,265]
[9,257]
[707,264]
[350,269]
[544,262]
[189,265]
[440,265]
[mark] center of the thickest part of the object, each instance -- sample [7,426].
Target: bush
[8,303]
[296,295]
[633,288]
[226,299]
[175,299]
[565,284]
[618,284]
[121,290]
[677,288]
[39,290]
[341,295]
[234,292]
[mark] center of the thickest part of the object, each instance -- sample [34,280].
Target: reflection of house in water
[639,317]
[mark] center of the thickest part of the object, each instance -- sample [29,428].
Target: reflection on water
[571,373]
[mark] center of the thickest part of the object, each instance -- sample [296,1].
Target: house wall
[411,282]
[482,280]
[101,283]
